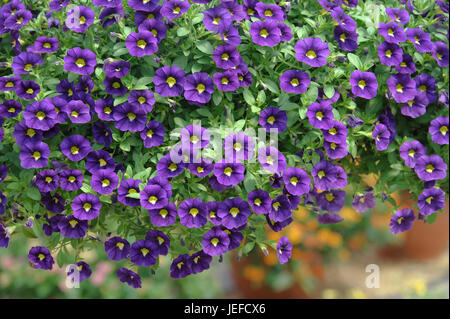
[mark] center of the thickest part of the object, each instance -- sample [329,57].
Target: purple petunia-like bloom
[198,87]
[324,175]
[212,213]
[193,213]
[345,21]
[47,180]
[44,45]
[270,11]
[153,197]
[265,33]
[83,272]
[141,44]
[165,216]
[336,150]
[180,267]
[40,115]
[312,51]
[294,81]
[9,83]
[144,253]
[199,262]
[411,151]
[227,80]
[34,155]
[364,202]
[271,159]
[364,84]
[174,9]
[238,147]
[229,173]
[420,39]
[28,90]
[427,84]
[104,109]
[431,200]
[430,168]
[143,99]
[398,15]
[407,66]
[86,207]
[41,258]
[273,118]
[114,86]
[80,18]
[392,32]
[71,227]
[24,62]
[128,276]
[71,179]
[10,108]
[331,201]
[75,147]
[402,87]
[77,111]
[4,236]
[347,40]
[153,134]
[233,212]
[162,241]
[280,209]
[337,133]
[169,81]
[381,135]
[320,115]
[297,181]
[102,133]
[329,218]
[157,27]
[260,201]
[390,54]
[440,54]
[116,69]
[439,130]
[98,160]
[81,61]
[226,56]
[127,187]
[402,221]
[129,117]
[284,249]
[104,181]
[168,168]
[194,137]
[117,248]
[215,242]
[202,168]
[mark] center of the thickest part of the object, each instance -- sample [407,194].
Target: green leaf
[261,98]
[248,247]
[272,86]
[205,47]
[249,182]
[329,91]
[34,194]
[181,32]
[248,97]
[355,60]
[181,61]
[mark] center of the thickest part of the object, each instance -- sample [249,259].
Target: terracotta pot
[423,240]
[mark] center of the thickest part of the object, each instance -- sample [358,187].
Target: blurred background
[328,261]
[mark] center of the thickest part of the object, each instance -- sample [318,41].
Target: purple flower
[417,106]
[161,240]
[420,39]
[439,130]
[169,81]
[347,40]
[286,33]
[143,5]
[107,3]
[75,147]
[117,248]
[320,115]
[129,117]
[77,111]
[312,51]
[344,20]
[198,87]
[324,175]
[430,167]
[407,66]
[193,213]
[382,136]
[278,226]
[215,242]
[28,90]
[427,84]
[3,200]
[40,115]
[83,272]
[284,249]
[364,84]
[44,45]
[390,54]
[116,69]
[127,187]
[102,133]
[335,150]
[271,159]
[202,168]
[34,155]
[364,202]
[4,236]
[227,80]
[71,227]
[153,197]
[402,221]
[153,134]
[431,200]
[104,181]
[174,9]
[71,179]
[199,261]
[260,201]
[11,108]
[270,11]
[144,253]
[294,81]
[86,207]
[234,212]
[236,10]
[337,133]
[226,56]
[297,181]
[402,87]
[9,83]
[398,15]
[47,180]
[97,160]
[238,147]
[157,27]
[280,209]
[329,218]
[104,109]
[411,151]
[440,54]
[144,99]
[114,86]
[265,33]
[392,32]
[215,17]
[331,201]
[41,258]
[165,216]
[79,19]
[180,267]
[126,275]
[212,213]
[141,44]
[81,61]
[167,168]
[229,173]
[273,118]
[194,137]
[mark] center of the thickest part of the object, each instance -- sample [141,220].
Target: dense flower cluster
[91,95]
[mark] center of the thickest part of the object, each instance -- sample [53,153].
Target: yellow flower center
[443,130]
[73,223]
[149,133]
[173,167]
[257,202]
[131,116]
[116,85]
[234,211]
[193,212]
[268,13]
[106,183]
[362,84]
[31,132]
[411,153]
[200,88]
[120,245]
[80,62]
[215,241]
[74,114]
[227,171]
[269,160]
[47,45]
[216,20]
[102,162]
[423,87]
[399,88]
[41,256]
[294,82]
[87,206]
[82,20]
[171,81]
[144,251]
[390,32]
[319,116]
[330,197]
[403,65]
[224,80]
[163,213]
[293,180]
[429,199]
[30,91]
[141,44]
[343,37]
[200,169]
[276,205]
[263,33]
[142,99]
[332,131]
[271,120]
[9,84]
[74,150]
[321,174]
[152,199]
[132,191]
[72,179]
[28,67]
[430,168]
[237,146]
[225,56]
[48,179]
[176,10]
[40,115]
[311,54]
[333,146]
[388,53]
